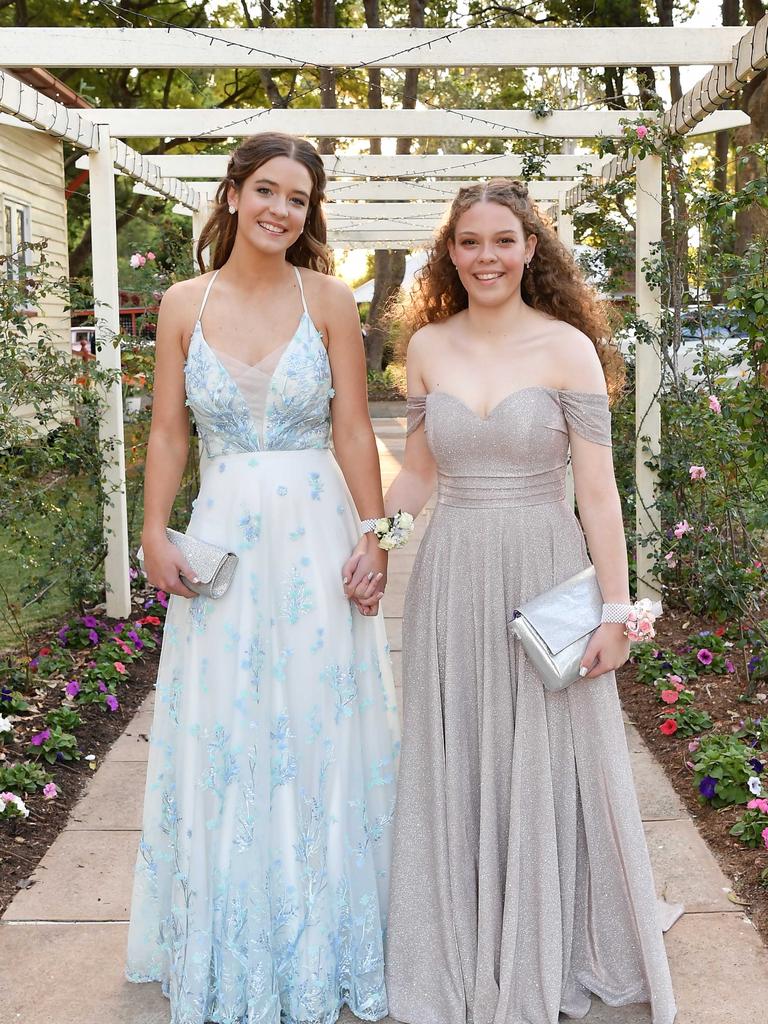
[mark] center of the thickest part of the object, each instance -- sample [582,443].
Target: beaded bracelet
[638,618]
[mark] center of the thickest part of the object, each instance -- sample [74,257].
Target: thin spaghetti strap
[207,293]
[301,289]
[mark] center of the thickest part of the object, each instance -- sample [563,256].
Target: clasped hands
[364,575]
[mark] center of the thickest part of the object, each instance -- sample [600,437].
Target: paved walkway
[62,941]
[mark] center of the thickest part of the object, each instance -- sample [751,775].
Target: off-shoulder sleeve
[587,414]
[416,410]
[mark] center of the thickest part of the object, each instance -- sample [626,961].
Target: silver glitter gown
[521,882]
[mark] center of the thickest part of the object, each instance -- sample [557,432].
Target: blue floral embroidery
[316,486]
[250,527]
[343,682]
[297,597]
[284,764]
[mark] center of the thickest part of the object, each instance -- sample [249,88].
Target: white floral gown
[261,883]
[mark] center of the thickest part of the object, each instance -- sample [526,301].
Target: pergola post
[106,304]
[647,376]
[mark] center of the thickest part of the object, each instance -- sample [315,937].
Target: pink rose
[697,472]
[671,559]
[682,528]
[150,256]
[670,696]
[642,131]
[714,404]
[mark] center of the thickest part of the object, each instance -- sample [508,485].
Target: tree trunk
[389,264]
[665,10]
[730,16]
[389,270]
[324,16]
[753,99]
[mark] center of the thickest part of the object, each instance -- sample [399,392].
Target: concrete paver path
[62,941]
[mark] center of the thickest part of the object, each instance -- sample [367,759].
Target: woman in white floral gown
[261,883]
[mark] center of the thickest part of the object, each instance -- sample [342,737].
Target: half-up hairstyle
[309,249]
[552,283]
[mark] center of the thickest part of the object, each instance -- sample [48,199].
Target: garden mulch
[23,843]
[720,697]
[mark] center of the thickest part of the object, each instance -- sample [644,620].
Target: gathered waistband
[542,488]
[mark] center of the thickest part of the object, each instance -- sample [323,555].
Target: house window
[16,224]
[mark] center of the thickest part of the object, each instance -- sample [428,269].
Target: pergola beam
[718,85]
[28,105]
[346,165]
[199,123]
[32,108]
[379,48]
[143,170]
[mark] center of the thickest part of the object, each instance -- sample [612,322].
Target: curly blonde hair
[552,283]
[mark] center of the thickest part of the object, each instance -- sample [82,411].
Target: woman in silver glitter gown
[521,883]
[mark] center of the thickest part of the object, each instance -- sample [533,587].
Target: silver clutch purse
[213,566]
[555,627]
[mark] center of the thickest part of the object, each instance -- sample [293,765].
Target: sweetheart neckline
[502,401]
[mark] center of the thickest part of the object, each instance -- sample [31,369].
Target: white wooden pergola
[376,201]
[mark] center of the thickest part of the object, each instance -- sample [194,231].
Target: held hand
[607,650]
[365,575]
[163,563]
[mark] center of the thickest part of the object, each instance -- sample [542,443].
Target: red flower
[149,620]
[44,651]
[720,631]
[668,727]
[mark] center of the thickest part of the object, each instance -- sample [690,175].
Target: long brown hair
[309,249]
[552,283]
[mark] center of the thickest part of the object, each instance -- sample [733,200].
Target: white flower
[382,526]
[5,724]
[405,521]
[11,800]
[388,542]
[755,786]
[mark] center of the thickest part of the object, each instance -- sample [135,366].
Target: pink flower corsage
[640,620]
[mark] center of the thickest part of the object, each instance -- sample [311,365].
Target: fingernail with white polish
[345,579]
[583,671]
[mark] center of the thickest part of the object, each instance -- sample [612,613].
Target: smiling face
[272,204]
[489,250]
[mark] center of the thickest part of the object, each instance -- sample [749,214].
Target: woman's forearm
[409,492]
[604,530]
[358,458]
[166,461]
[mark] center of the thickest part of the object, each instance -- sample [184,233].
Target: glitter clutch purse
[555,627]
[213,566]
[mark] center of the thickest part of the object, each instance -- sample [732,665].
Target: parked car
[711,330]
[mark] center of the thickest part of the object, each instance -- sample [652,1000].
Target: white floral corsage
[394,531]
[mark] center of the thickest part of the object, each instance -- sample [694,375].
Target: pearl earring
[232,209]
